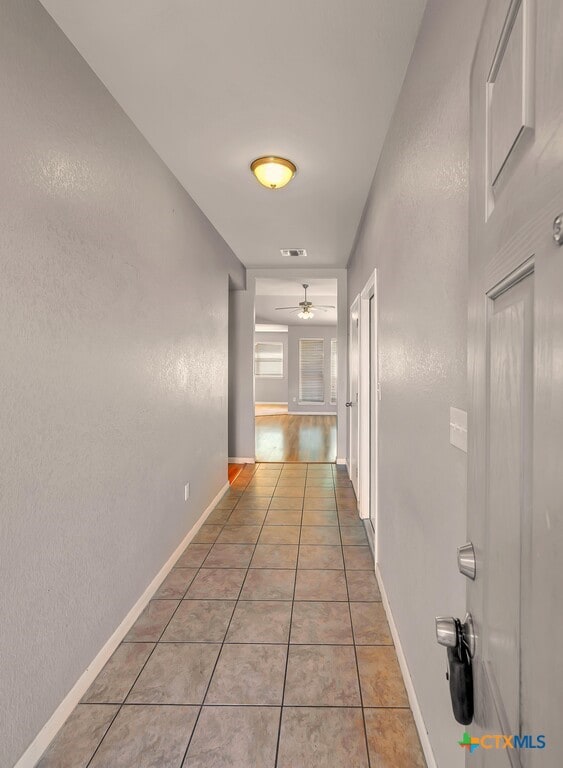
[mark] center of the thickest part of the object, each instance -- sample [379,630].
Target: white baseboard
[342,461]
[241,460]
[411,693]
[45,736]
[370,533]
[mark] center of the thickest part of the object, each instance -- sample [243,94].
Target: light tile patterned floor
[267,646]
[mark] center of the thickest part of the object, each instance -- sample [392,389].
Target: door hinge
[558,230]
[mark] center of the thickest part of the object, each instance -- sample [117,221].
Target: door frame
[368,292]
[354,310]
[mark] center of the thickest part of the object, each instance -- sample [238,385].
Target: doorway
[369,396]
[295,369]
[354,394]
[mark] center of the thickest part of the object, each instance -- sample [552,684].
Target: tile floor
[267,646]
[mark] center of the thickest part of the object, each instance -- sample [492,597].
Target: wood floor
[270,409]
[296,438]
[234,472]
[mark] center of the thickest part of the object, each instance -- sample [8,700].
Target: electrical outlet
[186,491]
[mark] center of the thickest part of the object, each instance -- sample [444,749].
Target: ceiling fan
[305,308]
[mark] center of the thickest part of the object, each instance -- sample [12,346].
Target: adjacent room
[295,369]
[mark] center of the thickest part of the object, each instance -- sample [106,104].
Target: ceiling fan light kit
[273,172]
[305,308]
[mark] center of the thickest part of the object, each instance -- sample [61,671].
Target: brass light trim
[255,166]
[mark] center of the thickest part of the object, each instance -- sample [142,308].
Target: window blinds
[311,371]
[268,359]
[333,371]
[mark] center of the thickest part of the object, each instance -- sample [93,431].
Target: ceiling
[213,84]
[272,293]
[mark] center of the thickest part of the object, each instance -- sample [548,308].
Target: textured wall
[241,373]
[414,231]
[272,390]
[296,332]
[113,367]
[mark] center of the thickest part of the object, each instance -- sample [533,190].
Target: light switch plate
[186,491]
[458,428]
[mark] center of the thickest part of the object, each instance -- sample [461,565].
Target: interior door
[515,363]
[373,409]
[353,392]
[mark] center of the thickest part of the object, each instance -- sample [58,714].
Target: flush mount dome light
[273,172]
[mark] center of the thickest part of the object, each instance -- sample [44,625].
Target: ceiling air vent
[293,252]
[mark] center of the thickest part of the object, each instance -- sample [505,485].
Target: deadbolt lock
[466,561]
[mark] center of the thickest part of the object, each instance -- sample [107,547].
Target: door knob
[349,404]
[447,632]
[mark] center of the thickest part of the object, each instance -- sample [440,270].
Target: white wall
[272,390]
[306,331]
[241,373]
[414,230]
[113,367]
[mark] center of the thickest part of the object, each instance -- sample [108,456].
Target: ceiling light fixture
[305,308]
[273,172]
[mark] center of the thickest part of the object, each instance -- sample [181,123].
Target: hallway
[267,645]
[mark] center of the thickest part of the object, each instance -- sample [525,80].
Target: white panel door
[515,363]
[353,392]
[373,410]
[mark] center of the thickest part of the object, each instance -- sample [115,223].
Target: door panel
[509,478]
[515,372]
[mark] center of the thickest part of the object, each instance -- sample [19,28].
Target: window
[311,371]
[333,371]
[268,359]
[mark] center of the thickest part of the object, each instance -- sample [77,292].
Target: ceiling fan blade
[324,306]
[293,307]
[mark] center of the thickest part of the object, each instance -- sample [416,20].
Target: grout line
[290,628]
[217,659]
[207,689]
[355,650]
[270,706]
